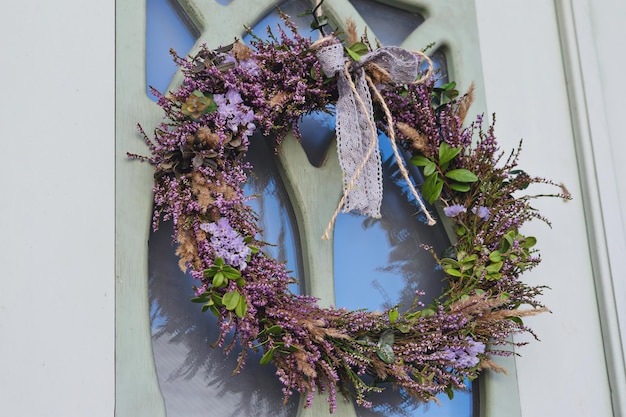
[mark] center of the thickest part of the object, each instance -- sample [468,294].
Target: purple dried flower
[454,210]
[227,243]
[466,356]
[231,107]
[249,66]
[482,212]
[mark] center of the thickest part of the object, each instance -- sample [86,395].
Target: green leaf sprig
[437,173]
[232,300]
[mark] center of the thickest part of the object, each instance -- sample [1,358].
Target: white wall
[57,208]
[57,205]
[565,374]
[607,24]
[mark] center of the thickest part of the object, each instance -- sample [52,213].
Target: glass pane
[380,263]
[391,25]
[165,29]
[196,379]
[276,216]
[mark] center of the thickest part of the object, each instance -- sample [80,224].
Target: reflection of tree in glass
[406,233]
[191,373]
[408,259]
[194,377]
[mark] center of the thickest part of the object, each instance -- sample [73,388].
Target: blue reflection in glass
[390,24]
[276,216]
[381,263]
[165,29]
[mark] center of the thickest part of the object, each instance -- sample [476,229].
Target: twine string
[392,138]
[374,143]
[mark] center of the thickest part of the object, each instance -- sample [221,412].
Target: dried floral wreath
[198,155]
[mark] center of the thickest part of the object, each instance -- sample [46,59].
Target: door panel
[314,191]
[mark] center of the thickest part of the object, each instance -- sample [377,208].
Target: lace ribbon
[357,138]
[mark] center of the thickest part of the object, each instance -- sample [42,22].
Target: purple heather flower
[227,243]
[231,107]
[454,210]
[467,356]
[248,65]
[482,212]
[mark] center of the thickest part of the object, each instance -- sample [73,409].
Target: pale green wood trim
[499,393]
[452,24]
[137,392]
[314,194]
[220,25]
[340,10]
[597,178]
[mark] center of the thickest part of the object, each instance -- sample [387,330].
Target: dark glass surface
[165,29]
[391,25]
[195,379]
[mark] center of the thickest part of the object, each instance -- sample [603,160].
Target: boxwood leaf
[462,175]
[431,189]
[231,299]
[453,272]
[393,315]
[420,160]
[462,188]
[529,242]
[385,352]
[218,280]
[215,311]
[241,308]
[495,267]
[267,357]
[495,256]
[429,168]
[217,299]
[359,48]
[231,273]
[275,329]
[447,153]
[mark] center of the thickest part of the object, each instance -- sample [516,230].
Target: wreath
[199,169]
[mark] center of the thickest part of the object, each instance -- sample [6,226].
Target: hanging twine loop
[357,137]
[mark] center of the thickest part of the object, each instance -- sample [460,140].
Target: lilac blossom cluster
[227,243]
[454,210]
[199,171]
[235,113]
[465,356]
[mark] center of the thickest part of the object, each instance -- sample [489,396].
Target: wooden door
[314,191]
